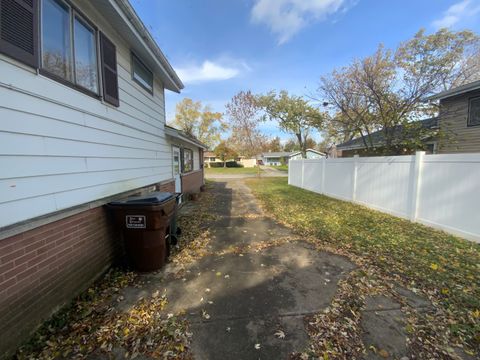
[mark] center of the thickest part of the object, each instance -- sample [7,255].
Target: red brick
[192,182]
[26,273]
[43,268]
[11,256]
[25,258]
[8,283]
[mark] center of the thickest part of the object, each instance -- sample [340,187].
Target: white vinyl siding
[61,148]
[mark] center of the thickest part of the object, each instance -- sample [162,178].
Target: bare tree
[386,90]
[243,116]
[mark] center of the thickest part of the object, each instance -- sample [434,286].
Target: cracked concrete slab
[247,297]
[236,302]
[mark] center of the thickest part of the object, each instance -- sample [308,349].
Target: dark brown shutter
[19,30]
[109,70]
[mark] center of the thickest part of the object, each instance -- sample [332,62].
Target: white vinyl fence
[442,191]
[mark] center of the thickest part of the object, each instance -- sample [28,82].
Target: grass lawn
[441,266]
[232,171]
[281,167]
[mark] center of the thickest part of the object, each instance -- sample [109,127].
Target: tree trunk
[302,145]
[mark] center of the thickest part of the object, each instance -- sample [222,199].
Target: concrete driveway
[245,300]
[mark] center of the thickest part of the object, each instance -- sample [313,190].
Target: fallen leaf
[257,346]
[205,315]
[280,334]
[383,353]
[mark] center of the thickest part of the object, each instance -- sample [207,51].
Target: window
[86,70]
[56,39]
[69,46]
[187,160]
[474,112]
[141,74]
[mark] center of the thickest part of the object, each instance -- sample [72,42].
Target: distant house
[460,119]
[357,146]
[279,158]
[82,104]
[310,154]
[187,161]
[210,157]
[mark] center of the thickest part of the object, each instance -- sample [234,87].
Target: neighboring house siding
[460,138]
[60,148]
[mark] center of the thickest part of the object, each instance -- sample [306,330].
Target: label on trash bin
[136,221]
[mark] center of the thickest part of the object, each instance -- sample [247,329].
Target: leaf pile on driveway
[92,324]
[441,267]
[195,238]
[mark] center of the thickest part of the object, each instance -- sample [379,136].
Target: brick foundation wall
[44,268]
[192,182]
[168,187]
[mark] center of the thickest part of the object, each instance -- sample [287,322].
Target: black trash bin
[145,224]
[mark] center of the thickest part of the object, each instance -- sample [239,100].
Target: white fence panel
[449,195]
[385,183]
[438,190]
[312,175]
[339,179]
[295,173]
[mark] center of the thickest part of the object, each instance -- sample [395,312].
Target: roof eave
[128,14]
[175,133]
[455,92]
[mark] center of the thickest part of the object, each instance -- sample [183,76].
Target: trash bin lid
[153,198]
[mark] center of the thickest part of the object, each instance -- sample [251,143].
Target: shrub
[233,164]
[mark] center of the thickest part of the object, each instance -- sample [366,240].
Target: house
[82,103]
[279,158]
[210,157]
[458,122]
[459,119]
[377,138]
[310,154]
[187,161]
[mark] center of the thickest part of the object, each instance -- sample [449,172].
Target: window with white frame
[187,160]
[141,74]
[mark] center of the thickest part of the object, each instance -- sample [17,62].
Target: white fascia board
[177,85]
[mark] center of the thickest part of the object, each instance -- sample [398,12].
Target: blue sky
[220,47]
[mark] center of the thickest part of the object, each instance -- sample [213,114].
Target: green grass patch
[441,265]
[227,171]
[281,167]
